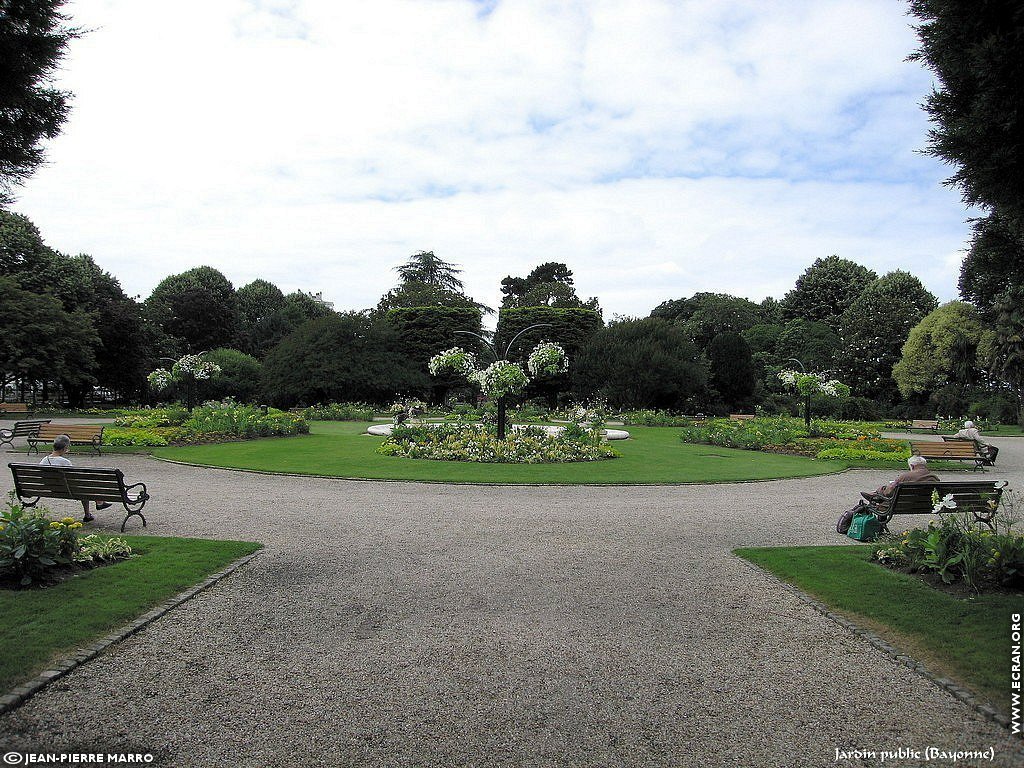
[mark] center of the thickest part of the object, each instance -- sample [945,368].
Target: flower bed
[781,434]
[210,422]
[35,549]
[339,412]
[955,551]
[464,442]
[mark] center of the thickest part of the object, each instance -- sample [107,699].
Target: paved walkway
[393,624]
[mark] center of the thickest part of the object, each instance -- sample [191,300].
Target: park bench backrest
[954,449]
[13,407]
[77,432]
[916,498]
[92,483]
[741,416]
[28,427]
[924,424]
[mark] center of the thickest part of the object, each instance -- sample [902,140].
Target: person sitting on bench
[970,432]
[919,473]
[61,443]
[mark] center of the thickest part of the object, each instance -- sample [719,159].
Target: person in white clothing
[61,443]
[970,432]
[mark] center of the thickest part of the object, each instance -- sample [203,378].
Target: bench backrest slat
[953,448]
[98,483]
[74,431]
[916,498]
[28,427]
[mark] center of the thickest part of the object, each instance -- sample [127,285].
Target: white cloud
[659,148]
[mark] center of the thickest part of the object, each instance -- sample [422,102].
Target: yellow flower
[56,524]
[75,525]
[67,520]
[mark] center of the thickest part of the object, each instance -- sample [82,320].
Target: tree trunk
[807,412]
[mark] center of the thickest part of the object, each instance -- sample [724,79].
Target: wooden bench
[955,450]
[741,416]
[33,482]
[27,428]
[989,461]
[931,425]
[979,497]
[14,408]
[80,434]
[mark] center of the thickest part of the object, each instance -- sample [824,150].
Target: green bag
[864,527]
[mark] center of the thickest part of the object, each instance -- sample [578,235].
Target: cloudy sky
[657,148]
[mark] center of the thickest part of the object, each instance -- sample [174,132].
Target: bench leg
[131,515]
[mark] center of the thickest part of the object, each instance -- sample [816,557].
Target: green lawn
[38,625]
[967,640]
[655,455]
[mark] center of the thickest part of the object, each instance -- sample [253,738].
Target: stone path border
[22,693]
[958,693]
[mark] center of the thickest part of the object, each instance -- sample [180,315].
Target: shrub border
[22,693]
[960,694]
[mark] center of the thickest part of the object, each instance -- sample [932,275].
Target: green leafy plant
[97,549]
[32,545]
[339,412]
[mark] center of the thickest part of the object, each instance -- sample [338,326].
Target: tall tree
[427,281]
[704,315]
[874,328]
[646,363]
[732,368]
[976,50]
[33,40]
[548,285]
[940,350]
[825,290]
[197,310]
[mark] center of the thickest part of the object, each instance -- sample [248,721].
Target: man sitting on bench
[919,473]
[970,432]
[61,443]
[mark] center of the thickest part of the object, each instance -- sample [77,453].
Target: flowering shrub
[171,416]
[465,442]
[954,549]
[649,417]
[547,359]
[186,366]
[132,436]
[160,379]
[31,545]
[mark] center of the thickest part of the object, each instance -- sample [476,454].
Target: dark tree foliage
[408,295]
[197,310]
[40,341]
[571,328]
[427,281]
[875,327]
[425,331]
[344,356]
[704,315]
[548,285]
[262,322]
[23,254]
[239,376]
[33,40]
[732,368]
[646,363]
[975,48]
[300,306]
[994,263]
[813,344]
[825,290]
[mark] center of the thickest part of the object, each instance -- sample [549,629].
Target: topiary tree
[502,379]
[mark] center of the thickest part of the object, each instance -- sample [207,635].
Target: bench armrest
[141,495]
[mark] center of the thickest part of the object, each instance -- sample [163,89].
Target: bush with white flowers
[547,359]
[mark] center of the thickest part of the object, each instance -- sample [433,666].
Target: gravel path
[395,624]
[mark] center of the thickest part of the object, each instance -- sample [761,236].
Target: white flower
[946,502]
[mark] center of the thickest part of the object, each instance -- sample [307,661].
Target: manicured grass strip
[38,625]
[964,639]
[655,455]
